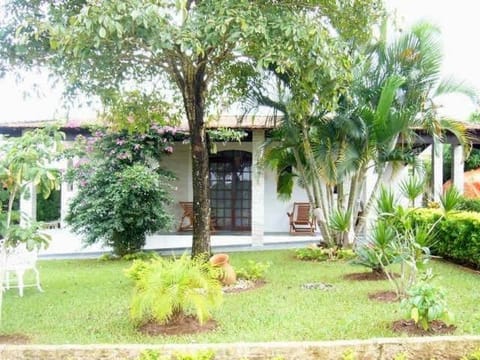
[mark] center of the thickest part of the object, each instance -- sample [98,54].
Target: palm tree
[416,58]
[392,93]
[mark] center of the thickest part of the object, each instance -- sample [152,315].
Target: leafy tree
[122,188]
[200,50]
[25,160]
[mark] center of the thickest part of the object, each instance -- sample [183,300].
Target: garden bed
[87,302]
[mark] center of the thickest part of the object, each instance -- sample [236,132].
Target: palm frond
[452,85]
[340,220]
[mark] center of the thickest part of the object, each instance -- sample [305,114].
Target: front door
[231,190]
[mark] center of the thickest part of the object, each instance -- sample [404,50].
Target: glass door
[231,190]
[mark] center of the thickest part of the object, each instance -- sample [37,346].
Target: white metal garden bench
[18,261]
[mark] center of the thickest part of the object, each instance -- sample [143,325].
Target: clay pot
[228,276]
[219,259]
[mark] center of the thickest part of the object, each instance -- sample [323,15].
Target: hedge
[457,235]
[469,204]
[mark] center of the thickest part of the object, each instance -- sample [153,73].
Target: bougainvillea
[122,188]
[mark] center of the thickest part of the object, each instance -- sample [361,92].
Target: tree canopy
[195,53]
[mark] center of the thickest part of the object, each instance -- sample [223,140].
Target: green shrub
[49,209]
[121,207]
[426,303]
[469,205]
[123,190]
[166,289]
[311,254]
[253,270]
[457,236]
[345,254]
[314,253]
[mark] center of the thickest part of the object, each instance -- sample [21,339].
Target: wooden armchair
[301,221]
[186,222]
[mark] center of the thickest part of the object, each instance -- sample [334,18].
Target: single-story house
[244,202]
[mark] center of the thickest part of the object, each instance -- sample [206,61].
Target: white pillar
[28,204]
[67,192]
[258,188]
[457,167]
[437,170]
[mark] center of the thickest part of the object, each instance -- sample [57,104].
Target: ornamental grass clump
[167,289]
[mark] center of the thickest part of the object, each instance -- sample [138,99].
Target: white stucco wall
[276,219]
[179,162]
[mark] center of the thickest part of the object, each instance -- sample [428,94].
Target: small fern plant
[167,289]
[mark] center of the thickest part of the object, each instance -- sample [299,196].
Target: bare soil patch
[367,276]
[243,285]
[384,296]
[437,327]
[179,326]
[14,339]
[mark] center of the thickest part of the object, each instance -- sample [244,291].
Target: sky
[458,21]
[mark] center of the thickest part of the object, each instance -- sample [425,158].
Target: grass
[86,301]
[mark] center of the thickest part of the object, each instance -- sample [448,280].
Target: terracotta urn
[228,276]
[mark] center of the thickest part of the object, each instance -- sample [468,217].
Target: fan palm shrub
[167,289]
[379,249]
[412,188]
[451,199]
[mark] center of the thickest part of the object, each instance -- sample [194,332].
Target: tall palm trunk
[371,200]
[320,201]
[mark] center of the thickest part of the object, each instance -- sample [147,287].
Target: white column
[258,188]
[457,167]
[437,170]
[28,204]
[67,192]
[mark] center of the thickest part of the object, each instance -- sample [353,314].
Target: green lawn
[86,301]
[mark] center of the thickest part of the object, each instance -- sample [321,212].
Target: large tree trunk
[194,100]
[201,191]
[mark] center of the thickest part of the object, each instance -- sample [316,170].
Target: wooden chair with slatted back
[301,220]
[186,222]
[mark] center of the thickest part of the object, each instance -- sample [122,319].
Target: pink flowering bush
[121,196]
